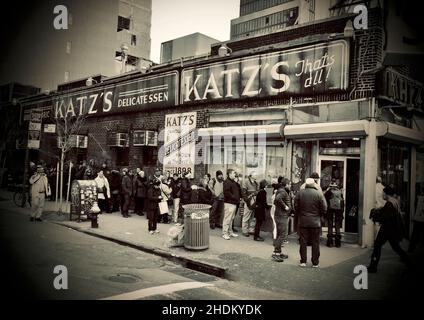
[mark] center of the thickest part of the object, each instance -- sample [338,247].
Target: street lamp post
[124,50]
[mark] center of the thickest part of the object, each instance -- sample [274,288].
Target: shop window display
[301,162]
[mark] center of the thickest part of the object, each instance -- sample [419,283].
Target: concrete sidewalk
[134,232]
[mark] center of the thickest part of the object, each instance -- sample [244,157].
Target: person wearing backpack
[335,205]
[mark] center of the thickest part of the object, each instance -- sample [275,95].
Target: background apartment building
[38,54]
[187,46]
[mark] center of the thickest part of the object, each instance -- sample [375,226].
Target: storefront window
[394,170]
[302,161]
[265,162]
[344,111]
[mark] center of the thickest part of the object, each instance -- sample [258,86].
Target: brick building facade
[342,131]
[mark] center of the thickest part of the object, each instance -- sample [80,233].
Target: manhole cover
[123,278]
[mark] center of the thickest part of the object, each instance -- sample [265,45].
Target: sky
[176,18]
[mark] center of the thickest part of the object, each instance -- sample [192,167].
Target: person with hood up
[310,206]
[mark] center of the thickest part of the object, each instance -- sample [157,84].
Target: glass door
[333,168]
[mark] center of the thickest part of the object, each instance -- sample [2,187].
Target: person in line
[126,189]
[232,195]
[140,192]
[391,229]
[280,219]
[153,199]
[39,190]
[315,177]
[205,194]
[335,208]
[250,190]
[310,205]
[261,206]
[115,188]
[103,191]
[185,189]
[217,188]
[176,196]
[165,193]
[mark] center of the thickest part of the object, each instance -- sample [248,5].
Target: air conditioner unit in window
[151,138]
[75,141]
[118,140]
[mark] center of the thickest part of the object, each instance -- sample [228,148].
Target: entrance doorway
[345,170]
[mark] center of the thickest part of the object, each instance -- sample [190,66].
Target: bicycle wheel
[19,198]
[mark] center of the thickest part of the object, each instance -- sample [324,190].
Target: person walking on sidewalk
[281,215]
[153,199]
[39,189]
[334,216]
[391,230]
[310,206]
[250,190]
[217,187]
[261,206]
[232,195]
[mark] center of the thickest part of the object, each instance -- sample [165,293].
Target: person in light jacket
[39,190]
[103,191]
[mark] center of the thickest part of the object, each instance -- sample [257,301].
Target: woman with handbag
[103,191]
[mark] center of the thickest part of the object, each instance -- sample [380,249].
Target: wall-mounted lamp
[224,51]
[349,31]
[90,81]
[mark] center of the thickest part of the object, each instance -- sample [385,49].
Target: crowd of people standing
[161,198]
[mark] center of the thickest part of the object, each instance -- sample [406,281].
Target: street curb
[207,268]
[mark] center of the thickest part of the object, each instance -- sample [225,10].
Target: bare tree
[67,130]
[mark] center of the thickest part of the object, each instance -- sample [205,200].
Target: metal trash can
[196,226]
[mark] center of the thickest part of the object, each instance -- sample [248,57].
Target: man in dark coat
[126,192]
[185,189]
[282,209]
[232,195]
[260,210]
[115,190]
[205,194]
[140,192]
[391,230]
[153,199]
[310,206]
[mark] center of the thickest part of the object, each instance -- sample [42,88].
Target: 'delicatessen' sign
[148,92]
[307,70]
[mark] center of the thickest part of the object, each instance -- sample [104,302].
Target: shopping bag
[163,207]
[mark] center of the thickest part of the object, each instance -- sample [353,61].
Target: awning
[330,130]
[271,131]
[399,133]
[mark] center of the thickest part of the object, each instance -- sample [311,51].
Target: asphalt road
[100,269]
[97,269]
